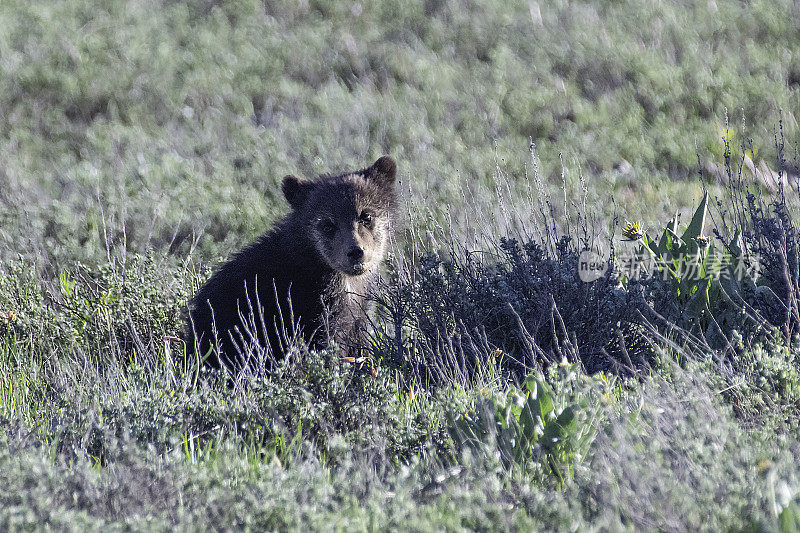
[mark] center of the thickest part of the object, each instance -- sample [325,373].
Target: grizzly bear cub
[306,277]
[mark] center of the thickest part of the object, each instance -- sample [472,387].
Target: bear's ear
[384,171]
[295,190]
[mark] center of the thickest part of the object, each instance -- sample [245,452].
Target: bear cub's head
[348,218]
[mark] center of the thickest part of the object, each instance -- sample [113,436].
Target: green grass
[141,142]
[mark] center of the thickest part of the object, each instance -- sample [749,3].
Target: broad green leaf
[529,420]
[673,224]
[699,300]
[695,228]
[544,400]
[736,245]
[567,418]
[560,429]
[651,247]
[669,245]
[664,243]
[789,519]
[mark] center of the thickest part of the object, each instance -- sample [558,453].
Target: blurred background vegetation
[161,123]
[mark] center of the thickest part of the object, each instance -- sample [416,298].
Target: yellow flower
[410,394]
[9,317]
[633,231]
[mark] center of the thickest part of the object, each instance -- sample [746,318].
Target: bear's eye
[327,227]
[366,218]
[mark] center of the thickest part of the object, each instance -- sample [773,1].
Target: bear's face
[348,218]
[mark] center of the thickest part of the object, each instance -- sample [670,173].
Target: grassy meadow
[141,143]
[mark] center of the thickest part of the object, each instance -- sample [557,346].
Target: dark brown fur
[305,276]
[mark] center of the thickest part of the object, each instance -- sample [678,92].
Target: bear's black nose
[356,254]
